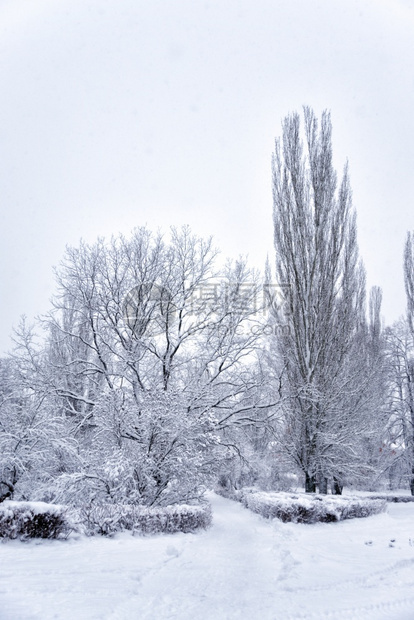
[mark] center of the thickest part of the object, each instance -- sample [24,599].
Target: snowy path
[232,570]
[242,568]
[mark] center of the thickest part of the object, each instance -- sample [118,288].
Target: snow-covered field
[243,567]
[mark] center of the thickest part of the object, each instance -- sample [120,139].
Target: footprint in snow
[172,551]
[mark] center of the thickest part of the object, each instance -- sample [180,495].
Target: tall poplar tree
[322,302]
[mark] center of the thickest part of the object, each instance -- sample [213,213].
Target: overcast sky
[120,113]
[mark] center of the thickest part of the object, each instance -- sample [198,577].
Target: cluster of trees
[159,372]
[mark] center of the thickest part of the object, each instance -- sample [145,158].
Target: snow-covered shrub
[33,520]
[107,519]
[304,508]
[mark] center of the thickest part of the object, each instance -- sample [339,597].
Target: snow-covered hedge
[310,508]
[41,520]
[33,520]
[107,519]
[394,498]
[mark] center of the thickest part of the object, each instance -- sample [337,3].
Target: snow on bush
[107,519]
[33,520]
[310,508]
[41,520]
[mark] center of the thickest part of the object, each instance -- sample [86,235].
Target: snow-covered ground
[243,567]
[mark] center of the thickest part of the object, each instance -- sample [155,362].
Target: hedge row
[25,520]
[396,499]
[34,520]
[107,519]
[303,508]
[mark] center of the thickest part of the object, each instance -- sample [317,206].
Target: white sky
[119,113]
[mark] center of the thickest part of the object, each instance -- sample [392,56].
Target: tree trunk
[9,493]
[322,484]
[310,483]
[337,487]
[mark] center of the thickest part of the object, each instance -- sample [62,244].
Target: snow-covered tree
[322,302]
[401,364]
[33,439]
[399,445]
[150,352]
